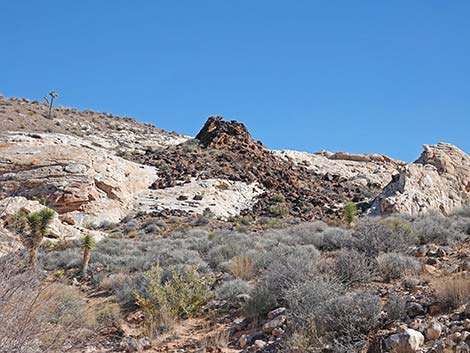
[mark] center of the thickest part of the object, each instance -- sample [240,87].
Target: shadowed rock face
[438,180]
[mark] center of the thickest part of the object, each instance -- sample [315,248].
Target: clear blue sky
[361,76]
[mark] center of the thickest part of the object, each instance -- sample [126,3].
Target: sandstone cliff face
[82,182]
[438,180]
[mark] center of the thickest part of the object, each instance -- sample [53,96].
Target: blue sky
[359,76]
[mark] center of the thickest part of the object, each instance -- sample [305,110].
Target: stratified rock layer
[76,178]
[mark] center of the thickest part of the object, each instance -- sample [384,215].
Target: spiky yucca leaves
[34,227]
[350,213]
[88,243]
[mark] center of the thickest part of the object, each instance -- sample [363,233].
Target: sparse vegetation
[350,213]
[33,227]
[452,291]
[181,296]
[395,265]
[88,244]
[50,101]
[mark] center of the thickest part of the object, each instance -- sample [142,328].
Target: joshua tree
[34,229]
[50,100]
[88,244]
[350,213]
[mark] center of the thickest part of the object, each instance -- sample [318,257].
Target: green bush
[279,210]
[181,297]
[278,198]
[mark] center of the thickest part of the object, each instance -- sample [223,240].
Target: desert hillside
[117,236]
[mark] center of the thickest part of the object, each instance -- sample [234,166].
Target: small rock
[433,331]
[240,323]
[414,309]
[276,312]
[243,341]
[278,332]
[259,344]
[269,326]
[145,343]
[407,341]
[132,345]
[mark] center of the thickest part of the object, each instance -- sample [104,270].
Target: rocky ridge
[438,180]
[226,150]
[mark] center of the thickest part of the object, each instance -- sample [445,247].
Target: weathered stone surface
[407,341]
[433,331]
[366,170]
[438,180]
[58,230]
[76,178]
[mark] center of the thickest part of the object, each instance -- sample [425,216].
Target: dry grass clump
[38,316]
[243,267]
[452,292]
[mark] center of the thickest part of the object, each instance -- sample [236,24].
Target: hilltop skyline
[368,78]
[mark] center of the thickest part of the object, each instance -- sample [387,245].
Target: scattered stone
[259,344]
[278,321]
[276,312]
[414,309]
[243,341]
[433,331]
[408,341]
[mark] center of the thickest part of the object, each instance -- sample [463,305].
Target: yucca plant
[35,227]
[88,243]
[350,213]
[50,100]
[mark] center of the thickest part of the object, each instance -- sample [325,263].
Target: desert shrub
[229,290]
[36,316]
[180,297]
[306,299]
[242,267]
[124,286]
[279,210]
[433,227]
[463,211]
[151,229]
[279,198]
[108,314]
[395,265]
[348,319]
[352,267]
[451,292]
[395,307]
[131,226]
[335,238]
[306,233]
[60,259]
[261,301]
[289,267]
[324,315]
[222,253]
[200,220]
[374,235]
[271,223]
